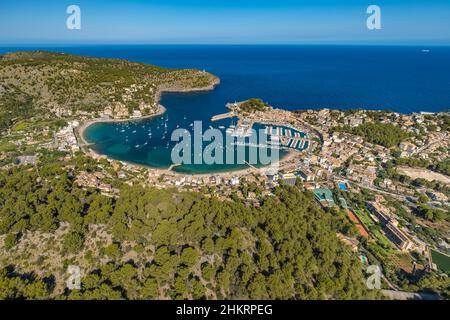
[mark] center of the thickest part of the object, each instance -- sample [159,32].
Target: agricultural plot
[374,229]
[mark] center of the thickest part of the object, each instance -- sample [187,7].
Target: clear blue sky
[224,21]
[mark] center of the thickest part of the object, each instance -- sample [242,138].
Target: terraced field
[374,229]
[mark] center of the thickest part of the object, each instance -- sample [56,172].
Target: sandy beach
[243,172]
[224,174]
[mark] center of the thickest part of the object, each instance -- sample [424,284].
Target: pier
[173,166]
[222,116]
[250,165]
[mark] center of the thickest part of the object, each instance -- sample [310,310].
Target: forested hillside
[135,241]
[37,84]
[150,244]
[386,135]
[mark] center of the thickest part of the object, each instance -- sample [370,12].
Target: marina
[289,138]
[280,87]
[242,129]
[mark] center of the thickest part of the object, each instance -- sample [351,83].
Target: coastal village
[332,161]
[393,193]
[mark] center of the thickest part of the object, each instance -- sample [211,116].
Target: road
[428,145]
[395,195]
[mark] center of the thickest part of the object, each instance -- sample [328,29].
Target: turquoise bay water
[148,142]
[403,79]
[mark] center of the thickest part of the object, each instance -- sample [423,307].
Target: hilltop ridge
[48,84]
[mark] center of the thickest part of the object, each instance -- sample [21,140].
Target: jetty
[250,165]
[222,116]
[233,107]
[173,166]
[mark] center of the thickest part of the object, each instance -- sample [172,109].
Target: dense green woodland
[197,247]
[159,244]
[386,135]
[34,84]
[147,243]
[253,105]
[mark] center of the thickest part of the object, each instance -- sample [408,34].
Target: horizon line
[51,44]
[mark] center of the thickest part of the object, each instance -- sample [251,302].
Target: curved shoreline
[84,144]
[226,173]
[82,129]
[161,109]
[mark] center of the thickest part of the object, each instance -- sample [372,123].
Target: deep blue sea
[399,78]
